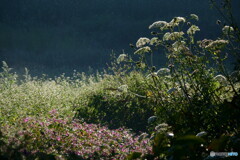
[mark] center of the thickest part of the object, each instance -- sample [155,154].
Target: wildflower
[204,43]
[26,119]
[166,36]
[121,58]
[218,44]
[58,138]
[143,50]
[179,46]
[200,134]
[176,21]
[161,126]
[154,40]
[192,30]
[142,42]
[220,78]
[172,36]
[52,112]
[194,16]
[141,65]
[158,24]
[180,19]
[170,134]
[142,136]
[227,29]
[149,93]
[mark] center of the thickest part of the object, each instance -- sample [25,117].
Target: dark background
[56,36]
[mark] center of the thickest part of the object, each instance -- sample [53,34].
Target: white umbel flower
[170,134]
[194,16]
[143,50]
[154,40]
[160,126]
[200,134]
[192,30]
[158,24]
[172,36]
[218,44]
[142,42]
[179,46]
[176,21]
[121,58]
[227,29]
[221,79]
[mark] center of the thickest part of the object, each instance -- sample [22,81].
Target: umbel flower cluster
[174,37]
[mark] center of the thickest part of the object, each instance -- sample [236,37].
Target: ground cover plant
[135,110]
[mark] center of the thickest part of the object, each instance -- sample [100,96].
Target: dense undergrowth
[182,111]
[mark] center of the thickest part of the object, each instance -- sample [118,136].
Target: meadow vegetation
[134,110]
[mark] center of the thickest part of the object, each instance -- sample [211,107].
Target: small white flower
[218,44]
[194,16]
[154,40]
[176,21]
[220,78]
[121,58]
[166,36]
[142,42]
[158,24]
[227,29]
[192,30]
[169,134]
[200,134]
[161,126]
[180,19]
[142,136]
[143,50]
[172,36]
[179,46]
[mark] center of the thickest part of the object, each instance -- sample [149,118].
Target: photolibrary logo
[223,154]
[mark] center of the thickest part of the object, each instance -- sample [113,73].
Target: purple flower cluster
[88,141]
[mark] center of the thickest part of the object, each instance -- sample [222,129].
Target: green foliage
[119,105]
[191,97]
[189,108]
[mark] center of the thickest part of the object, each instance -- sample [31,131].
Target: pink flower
[26,119]
[58,138]
[54,111]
